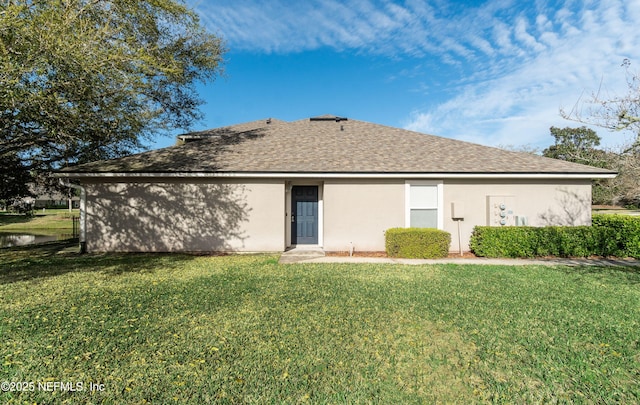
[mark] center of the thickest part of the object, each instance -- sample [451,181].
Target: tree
[13,181]
[578,145]
[616,113]
[611,112]
[528,148]
[82,80]
[627,183]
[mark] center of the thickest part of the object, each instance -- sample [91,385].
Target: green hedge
[621,234]
[610,235]
[417,243]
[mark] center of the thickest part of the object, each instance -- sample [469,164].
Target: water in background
[9,239]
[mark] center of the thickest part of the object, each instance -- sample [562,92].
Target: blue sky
[491,72]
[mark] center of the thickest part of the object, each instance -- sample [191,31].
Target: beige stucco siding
[542,202]
[252,215]
[193,215]
[359,211]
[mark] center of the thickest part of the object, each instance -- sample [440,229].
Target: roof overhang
[330,175]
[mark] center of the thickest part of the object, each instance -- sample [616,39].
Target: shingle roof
[329,145]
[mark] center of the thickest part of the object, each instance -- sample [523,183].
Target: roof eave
[348,175]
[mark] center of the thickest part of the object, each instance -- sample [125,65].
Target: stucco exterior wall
[542,202]
[193,215]
[359,211]
[253,215]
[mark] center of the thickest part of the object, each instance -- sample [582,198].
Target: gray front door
[304,215]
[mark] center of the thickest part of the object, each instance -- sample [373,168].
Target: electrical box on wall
[500,210]
[457,210]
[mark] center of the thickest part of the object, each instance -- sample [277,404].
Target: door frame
[288,186]
[304,205]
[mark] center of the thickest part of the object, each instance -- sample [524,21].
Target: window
[423,204]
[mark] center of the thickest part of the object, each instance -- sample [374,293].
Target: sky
[492,72]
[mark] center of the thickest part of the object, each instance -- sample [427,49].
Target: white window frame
[407,200]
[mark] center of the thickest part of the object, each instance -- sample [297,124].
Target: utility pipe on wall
[83,213]
[457,214]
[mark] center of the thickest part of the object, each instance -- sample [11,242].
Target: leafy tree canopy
[82,80]
[581,145]
[578,145]
[15,179]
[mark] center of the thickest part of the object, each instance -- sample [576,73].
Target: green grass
[616,211]
[50,219]
[243,329]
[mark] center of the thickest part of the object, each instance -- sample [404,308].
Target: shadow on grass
[8,219]
[37,262]
[626,274]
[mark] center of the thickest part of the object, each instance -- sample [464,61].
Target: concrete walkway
[316,255]
[303,254]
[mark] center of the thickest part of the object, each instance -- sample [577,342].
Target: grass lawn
[244,329]
[616,211]
[49,219]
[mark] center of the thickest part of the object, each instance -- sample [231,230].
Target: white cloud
[524,37]
[521,61]
[553,69]
[416,27]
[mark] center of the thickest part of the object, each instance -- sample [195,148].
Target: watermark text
[50,386]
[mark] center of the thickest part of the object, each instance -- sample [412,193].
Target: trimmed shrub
[570,241]
[503,242]
[610,235]
[417,243]
[621,234]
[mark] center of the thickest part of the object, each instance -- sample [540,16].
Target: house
[327,181]
[52,199]
[44,198]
